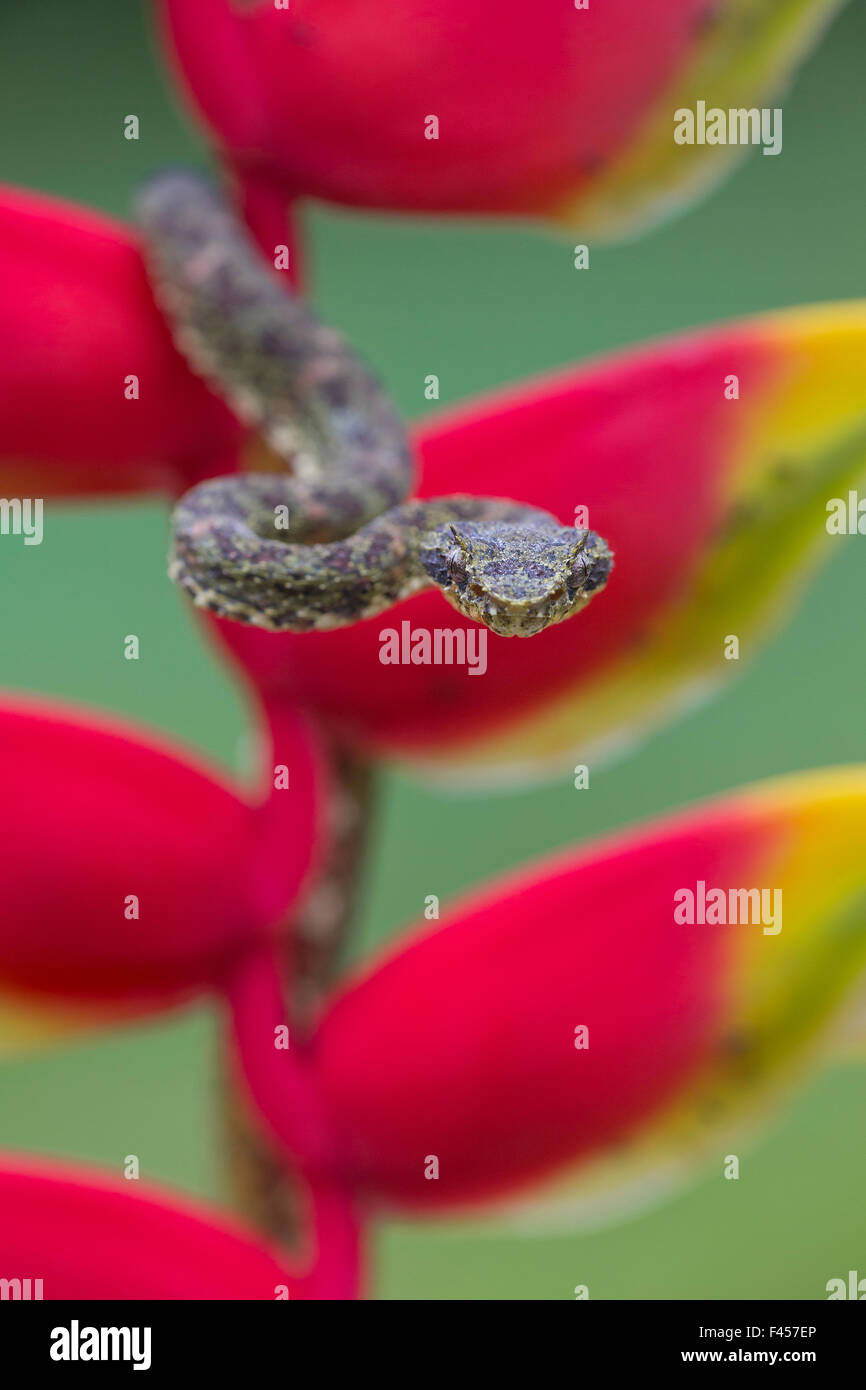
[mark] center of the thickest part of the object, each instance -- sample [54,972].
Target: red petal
[693,490]
[461,1043]
[93,814]
[77,319]
[618,438]
[105,1240]
[567,110]
[90,1238]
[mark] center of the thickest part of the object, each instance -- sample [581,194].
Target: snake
[334,537]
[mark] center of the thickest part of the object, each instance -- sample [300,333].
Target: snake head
[516,578]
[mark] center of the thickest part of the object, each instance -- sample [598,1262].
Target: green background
[480,304]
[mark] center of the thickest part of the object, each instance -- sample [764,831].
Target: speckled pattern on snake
[332,540]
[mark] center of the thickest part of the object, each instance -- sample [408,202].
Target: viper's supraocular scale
[333,540]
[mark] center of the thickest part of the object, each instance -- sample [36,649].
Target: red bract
[709,502]
[87,1236]
[138,875]
[576,1010]
[564,112]
[78,320]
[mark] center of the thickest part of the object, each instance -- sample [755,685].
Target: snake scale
[333,539]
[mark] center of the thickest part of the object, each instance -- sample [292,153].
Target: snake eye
[599,570]
[455,563]
[579,573]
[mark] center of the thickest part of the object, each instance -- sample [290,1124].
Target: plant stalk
[259,1175]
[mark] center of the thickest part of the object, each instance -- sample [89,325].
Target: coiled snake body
[334,540]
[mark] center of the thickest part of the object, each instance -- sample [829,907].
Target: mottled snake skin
[333,540]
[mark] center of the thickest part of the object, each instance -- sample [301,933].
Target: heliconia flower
[437,108]
[139,874]
[69,1233]
[640,999]
[706,460]
[94,396]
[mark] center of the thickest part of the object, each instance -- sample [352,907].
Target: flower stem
[324,922]
[270,1195]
